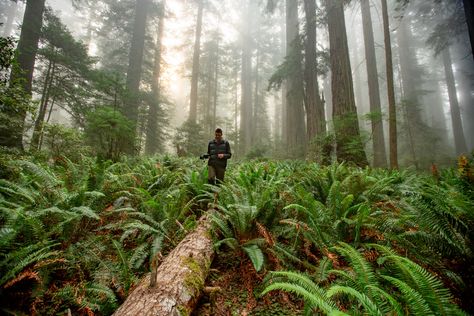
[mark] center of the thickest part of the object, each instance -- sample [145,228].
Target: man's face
[218,136]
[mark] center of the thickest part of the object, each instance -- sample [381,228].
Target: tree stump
[178,281]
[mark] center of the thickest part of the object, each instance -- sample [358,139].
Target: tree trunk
[392,112]
[152,142]
[296,129]
[39,122]
[315,116]
[378,142]
[174,287]
[411,83]
[246,84]
[23,74]
[134,71]
[195,73]
[348,142]
[459,140]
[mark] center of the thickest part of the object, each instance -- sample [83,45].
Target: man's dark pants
[215,173]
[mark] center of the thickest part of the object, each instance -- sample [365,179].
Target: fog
[248,70]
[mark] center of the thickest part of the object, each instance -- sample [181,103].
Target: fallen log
[174,287]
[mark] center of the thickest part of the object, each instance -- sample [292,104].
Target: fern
[370,306]
[302,286]
[255,254]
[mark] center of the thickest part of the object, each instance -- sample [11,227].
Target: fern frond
[302,286]
[363,299]
[255,254]
[412,298]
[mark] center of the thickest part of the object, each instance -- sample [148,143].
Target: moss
[195,280]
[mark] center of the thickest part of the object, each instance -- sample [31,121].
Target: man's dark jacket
[214,148]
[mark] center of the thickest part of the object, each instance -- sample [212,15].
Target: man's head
[218,134]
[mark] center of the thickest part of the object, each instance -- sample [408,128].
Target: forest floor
[239,289]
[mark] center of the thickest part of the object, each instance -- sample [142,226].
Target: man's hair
[218,130]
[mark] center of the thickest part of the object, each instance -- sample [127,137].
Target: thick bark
[134,71]
[378,142]
[348,142]
[392,113]
[246,85]
[459,140]
[315,116]
[195,72]
[175,286]
[296,129]
[152,145]
[23,73]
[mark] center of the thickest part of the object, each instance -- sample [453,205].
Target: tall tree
[152,139]
[378,142]
[459,140]
[315,114]
[135,60]
[392,113]
[348,142]
[246,81]
[23,74]
[195,71]
[295,123]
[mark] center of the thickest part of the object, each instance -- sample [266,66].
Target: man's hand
[220,156]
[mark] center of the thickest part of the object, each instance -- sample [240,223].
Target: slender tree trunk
[39,122]
[246,106]
[174,287]
[392,112]
[411,82]
[195,73]
[378,141]
[459,140]
[23,73]
[348,142]
[315,114]
[296,134]
[134,71]
[216,86]
[152,142]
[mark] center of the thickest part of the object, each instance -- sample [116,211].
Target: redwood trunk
[178,280]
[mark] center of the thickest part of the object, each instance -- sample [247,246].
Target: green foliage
[190,140]
[106,130]
[64,141]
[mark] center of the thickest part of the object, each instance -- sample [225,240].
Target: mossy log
[175,287]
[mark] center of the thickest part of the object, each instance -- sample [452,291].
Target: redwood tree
[348,141]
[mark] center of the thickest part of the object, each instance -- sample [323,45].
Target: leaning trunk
[174,287]
[23,73]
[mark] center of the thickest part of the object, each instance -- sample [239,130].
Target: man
[218,151]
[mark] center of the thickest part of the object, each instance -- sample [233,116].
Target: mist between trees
[363,81]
